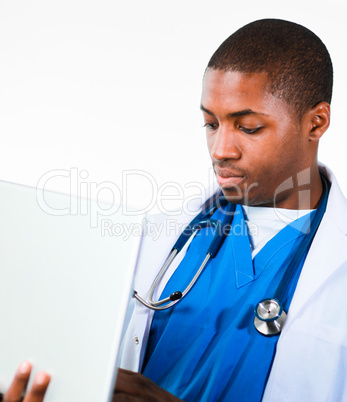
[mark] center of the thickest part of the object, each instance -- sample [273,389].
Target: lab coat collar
[336,201]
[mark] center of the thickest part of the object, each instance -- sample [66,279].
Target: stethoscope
[202,220]
[269,313]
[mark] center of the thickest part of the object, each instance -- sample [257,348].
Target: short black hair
[297,62]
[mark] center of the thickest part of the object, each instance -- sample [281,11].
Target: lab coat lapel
[327,253]
[153,253]
[325,257]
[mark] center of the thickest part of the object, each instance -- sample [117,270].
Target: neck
[307,192]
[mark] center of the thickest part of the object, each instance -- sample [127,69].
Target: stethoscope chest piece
[269,317]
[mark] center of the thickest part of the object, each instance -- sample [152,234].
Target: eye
[211,126]
[250,130]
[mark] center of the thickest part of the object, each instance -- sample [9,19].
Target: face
[255,140]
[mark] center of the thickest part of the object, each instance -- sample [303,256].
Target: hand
[20,382]
[135,387]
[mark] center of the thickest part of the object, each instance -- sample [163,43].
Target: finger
[132,386]
[135,384]
[19,383]
[38,388]
[125,380]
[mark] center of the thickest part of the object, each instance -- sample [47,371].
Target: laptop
[66,272]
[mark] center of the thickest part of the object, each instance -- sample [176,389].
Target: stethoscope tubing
[174,297]
[202,220]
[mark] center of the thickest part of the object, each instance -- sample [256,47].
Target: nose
[224,144]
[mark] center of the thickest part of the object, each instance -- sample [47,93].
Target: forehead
[233,91]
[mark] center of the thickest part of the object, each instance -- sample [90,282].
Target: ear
[318,121]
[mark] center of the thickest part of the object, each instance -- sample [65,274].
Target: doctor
[266,104]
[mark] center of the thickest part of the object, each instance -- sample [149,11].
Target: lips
[228,178]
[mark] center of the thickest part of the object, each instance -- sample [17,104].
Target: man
[266,103]
[265,100]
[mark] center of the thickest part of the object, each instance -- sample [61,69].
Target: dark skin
[130,386]
[256,143]
[20,382]
[136,387]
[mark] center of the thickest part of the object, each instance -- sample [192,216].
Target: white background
[105,87]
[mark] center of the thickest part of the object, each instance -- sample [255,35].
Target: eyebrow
[235,114]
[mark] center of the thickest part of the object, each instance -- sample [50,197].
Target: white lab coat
[311,357]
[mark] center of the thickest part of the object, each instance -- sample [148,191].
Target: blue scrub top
[206,347]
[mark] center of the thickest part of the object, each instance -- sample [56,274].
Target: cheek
[263,156]
[209,142]
[271,161]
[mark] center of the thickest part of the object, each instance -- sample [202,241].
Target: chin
[233,196]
